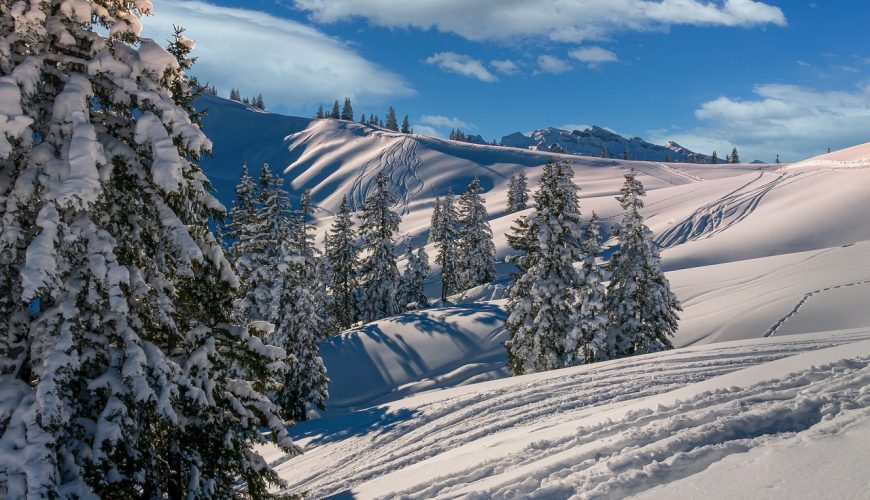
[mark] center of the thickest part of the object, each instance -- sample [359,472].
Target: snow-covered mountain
[768,392]
[596,140]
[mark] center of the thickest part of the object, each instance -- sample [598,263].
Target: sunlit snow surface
[771,398]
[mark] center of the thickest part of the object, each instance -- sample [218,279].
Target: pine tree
[320,113]
[343,257]
[604,153]
[335,114]
[714,159]
[735,158]
[392,123]
[590,331]
[518,192]
[642,311]
[777,159]
[406,125]
[414,279]
[124,375]
[259,103]
[374,120]
[362,119]
[380,278]
[235,95]
[625,154]
[434,223]
[347,110]
[447,258]
[476,249]
[541,302]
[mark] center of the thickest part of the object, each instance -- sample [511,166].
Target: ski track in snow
[807,296]
[432,428]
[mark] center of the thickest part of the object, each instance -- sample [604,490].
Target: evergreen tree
[235,95]
[447,258]
[590,331]
[374,120]
[625,153]
[123,373]
[362,119]
[242,218]
[406,125]
[434,223]
[259,103]
[476,249]
[714,159]
[541,302]
[642,311]
[380,278]
[414,279]
[343,257]
[518,192]
[320,113]
[735,158]
[391,123]
[347,110]
[604,153]
[777,159]
[335,114]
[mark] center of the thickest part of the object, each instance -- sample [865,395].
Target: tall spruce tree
[541,302]
[414,279]
[518,192]
[406,125]
[590,338]
[642,310]
[476,249]
[735,158]
[435,221]
[448,258]
[347,110]
[123,373]
[335,113]
[343,257]
[391,123]
[379,274]
[320,113]
[242,218]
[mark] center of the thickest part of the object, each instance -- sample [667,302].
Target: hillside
[769,262]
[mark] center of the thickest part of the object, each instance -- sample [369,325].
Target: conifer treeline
[346,112]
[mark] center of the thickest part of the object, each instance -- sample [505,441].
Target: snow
[767,395]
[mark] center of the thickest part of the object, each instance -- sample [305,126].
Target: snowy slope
[610,430]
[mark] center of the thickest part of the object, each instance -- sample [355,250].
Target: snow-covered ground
[768,396]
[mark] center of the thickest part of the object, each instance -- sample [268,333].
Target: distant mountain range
[596,141]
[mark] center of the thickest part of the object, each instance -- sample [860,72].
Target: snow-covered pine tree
[434,223]
[299,321]
[379,275]
[590,331]
[342,256]
[414,279]
[391,123]
[448,258]
[259,103]
[476,249]
[320,113]
[642,310]
[347,110]
[123,373]
[518,192]
[235,95]
[241,219]
[541,302]
[735,158]
[406,125]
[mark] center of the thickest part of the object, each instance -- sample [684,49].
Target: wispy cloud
[440,121]
[555,19]
[552,64]
[505,66]
[593,56]
[793,121]
[248,50]
[462,64]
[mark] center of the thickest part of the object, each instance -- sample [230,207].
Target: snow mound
[854,157]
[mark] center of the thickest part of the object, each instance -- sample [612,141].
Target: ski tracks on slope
[807,296]
[717,216]
[400,162]
[442,425]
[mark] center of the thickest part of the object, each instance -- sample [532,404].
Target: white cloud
[795,122]
[428,131]
[505,66]
[440,121]
[551,64]
[593,56]
[288,62]
[462,65]
[570,127]
[556,19]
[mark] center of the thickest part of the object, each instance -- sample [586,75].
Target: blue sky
[769,77]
